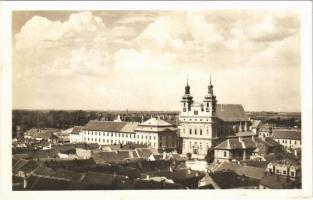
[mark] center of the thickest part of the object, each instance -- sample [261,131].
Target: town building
[157,133]
[203,125]
[154,132]
[265,130]
[285,168]
[244,148]
[289,138]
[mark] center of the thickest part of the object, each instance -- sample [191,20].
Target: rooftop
[127,127]
[287,134]
[231,112]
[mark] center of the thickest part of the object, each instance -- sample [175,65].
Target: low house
[41,134]
[265,146]
[285,168]
[234,149]
[265,130]
[289,138]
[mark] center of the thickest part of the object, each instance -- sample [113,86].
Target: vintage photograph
[156,99]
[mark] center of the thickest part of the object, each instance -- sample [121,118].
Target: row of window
[290,142]
[200,120]
[110,134]
[114,141]
[196,131]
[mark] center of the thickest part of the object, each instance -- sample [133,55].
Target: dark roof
[29,166]
[41,183]
[244,133]
[110,126]
[249,171]
[287,134]
[231,112]
[101,179]
[229,179]
[76,130]
[274,181]
[177,174]
[268,141]
[103,157]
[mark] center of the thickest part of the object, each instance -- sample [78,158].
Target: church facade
[205,124]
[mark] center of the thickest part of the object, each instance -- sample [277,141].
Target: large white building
[154,132]
[205,124]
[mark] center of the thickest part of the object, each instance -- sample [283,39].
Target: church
[205,124]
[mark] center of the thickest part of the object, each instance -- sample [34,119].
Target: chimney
[189,171]
[197,173]
[25,183]
[253,139]
[114,173]
[240,139]
[147,177]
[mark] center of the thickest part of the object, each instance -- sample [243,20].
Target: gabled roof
[256,123]
[229,179]
[231,112]
[287,134]
[156,122]
[76,130]
[144,152]
[235,143]
[127,127]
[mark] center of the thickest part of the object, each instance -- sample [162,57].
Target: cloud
[130,55]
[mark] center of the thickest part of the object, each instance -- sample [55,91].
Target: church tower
[186,101]
[210,101]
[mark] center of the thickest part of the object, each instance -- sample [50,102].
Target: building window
[200,131]
[284,172]
[277,171]
[225,154]
[195,131]
[190,131]
[184,109]
[292,174]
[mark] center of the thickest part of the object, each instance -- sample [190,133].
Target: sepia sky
[139,60]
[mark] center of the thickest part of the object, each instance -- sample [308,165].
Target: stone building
[203,125]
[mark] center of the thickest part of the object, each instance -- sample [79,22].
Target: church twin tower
[198,122]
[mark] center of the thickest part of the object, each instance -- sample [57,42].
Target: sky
[140,60]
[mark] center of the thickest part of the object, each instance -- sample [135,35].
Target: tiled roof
[249,171]
[18,164]
[234,143]
[273,181]
[287,134]
[106,156]
[229,179]
[244,133]
[267,141]
[252,172]
[256,124]
[144,152]
[111,126]
[41,183]
[231,112]
[76,130]
[130,127]
[156,122]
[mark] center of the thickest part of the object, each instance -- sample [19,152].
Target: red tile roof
[231,112]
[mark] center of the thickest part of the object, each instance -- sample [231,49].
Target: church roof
[110,126]
[156,122]
[231,112]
